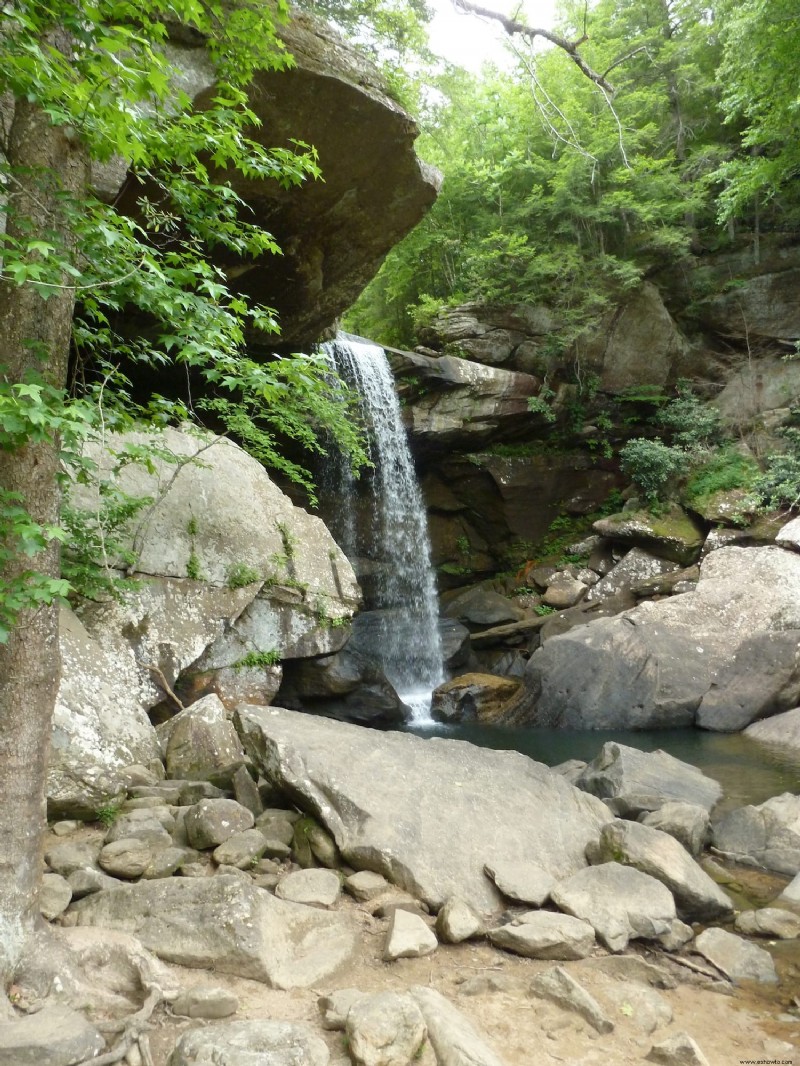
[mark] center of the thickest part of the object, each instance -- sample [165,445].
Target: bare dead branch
[514,26]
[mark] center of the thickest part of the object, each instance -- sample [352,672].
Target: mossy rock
[672,535]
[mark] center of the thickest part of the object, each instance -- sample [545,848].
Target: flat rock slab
[526,882]
[316,888]
[227,924]
[661,856]
[245,1043]
[452,1036]
[633,781]
[54,1036]
[394,802]
[738,959]
[544,935]
[621,903]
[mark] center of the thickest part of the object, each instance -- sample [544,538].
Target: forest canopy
[559,192]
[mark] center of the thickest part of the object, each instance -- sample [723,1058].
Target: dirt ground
[491,988]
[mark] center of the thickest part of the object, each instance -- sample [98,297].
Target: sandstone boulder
[226,924]
[765,835]
[392,800]
[473,697]
[662,857]
[652,666]
[632,781]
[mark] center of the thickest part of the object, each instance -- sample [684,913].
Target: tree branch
[512,26]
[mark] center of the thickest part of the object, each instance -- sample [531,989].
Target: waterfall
[395,534]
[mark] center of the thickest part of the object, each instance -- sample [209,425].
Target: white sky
[470,41]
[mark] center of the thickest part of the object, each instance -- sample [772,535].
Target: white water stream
[408,644]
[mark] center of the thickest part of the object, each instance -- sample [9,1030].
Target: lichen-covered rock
[674,535]
[200,742]
[635,566]
[212,822]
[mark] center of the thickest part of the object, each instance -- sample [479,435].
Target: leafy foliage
[651,464]
[113,91]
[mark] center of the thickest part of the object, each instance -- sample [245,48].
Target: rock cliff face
[511,435]
[334,233]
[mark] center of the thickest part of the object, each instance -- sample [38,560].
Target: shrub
[651,463]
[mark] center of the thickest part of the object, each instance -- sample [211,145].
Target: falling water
[408,644]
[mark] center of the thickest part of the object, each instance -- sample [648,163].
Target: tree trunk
[46,165]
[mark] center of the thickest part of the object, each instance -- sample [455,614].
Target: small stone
[454,1040]
[276,849]
[483,983]
[316,888]
[677,936]
[127,859]
[335,1007]
[54,896]
[194,869]
[386,1029]
[688,823]
[191,792]
[245,791]
[85,882]
[563,990]
[242,849]
[276,827]
[678,1050]
[523,881]
[206,1003]
[211,822]
[408,938]
[165,863]
[250,1043]
[63,829]
[152,825]
[457,921]
[642,1005]
[65,858]
[366,885]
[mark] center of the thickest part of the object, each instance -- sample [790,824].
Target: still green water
[749,772]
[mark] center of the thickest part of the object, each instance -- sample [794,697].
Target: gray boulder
[619,902]
[212,822]
[240,1043]
[315,888]
[689,823]
[790,897]
[738,959]
[453,1037]
[201,743]
[393,800]
[481,608]
[677,1050]
[525,882]
[765,835]
[457,921]
[738,695]
[779,731]
[226,924]
[54,1036]
[662,857]
[55,895]
[209,1003]
[544,935]
[408,937]
[242,849]
[632,781]
[652,666]
[635,566]
[674,535]
[335,1007]
[769,922]
[384,1029]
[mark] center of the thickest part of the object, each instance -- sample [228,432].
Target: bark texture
[34,336]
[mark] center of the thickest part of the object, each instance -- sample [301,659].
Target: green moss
[724,472]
